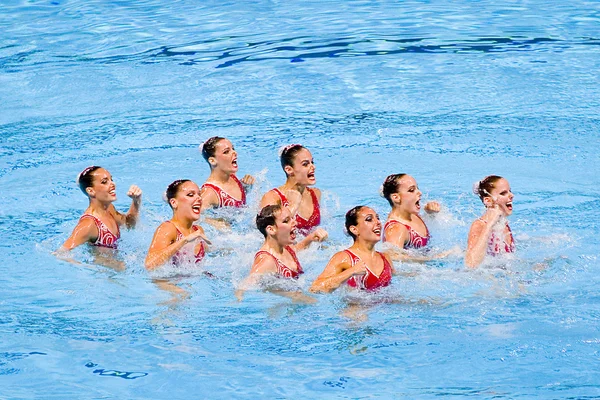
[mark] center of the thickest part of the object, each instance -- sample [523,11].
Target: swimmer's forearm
[133,213]
[329,284]
[158,258]
[475,255]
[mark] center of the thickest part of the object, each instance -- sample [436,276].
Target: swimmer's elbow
[320,288]
[471,262]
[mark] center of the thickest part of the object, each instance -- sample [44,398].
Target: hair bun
[165,198]
[476,187]
[381,191]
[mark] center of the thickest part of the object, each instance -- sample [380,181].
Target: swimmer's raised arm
[337,272]
[129,219]
[248,181]
[477,243]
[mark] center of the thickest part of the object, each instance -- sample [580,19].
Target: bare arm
[263,264]
[318,235]
[165,244]
[479,235]
[338,271]
[209,198]
[269,198]
[130,218]
[477,243]
[85,231]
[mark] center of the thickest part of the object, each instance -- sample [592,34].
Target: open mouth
[418,204]
[234,163]
[196,209]
[293,234]
[377,231]
[509,205]
[311,175]
[112,192]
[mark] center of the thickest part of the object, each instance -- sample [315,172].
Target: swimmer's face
[408,194]
[285,227]
[502,196]
[368,225]
[303,169]
[225,157]
[187,202]
[103,187]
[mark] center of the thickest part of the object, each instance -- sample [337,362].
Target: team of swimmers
[288,211]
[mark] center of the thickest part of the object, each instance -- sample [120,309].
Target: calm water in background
[448,92]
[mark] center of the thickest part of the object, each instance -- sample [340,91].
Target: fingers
[320,235]
[197,235]
[433,207]
[248,180]
[134,192]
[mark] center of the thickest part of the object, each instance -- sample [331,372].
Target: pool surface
[448,92]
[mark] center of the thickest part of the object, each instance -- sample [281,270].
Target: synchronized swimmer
[286,211]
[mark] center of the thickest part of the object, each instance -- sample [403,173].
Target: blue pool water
[446,91]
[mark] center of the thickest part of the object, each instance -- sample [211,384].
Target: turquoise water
[448,92]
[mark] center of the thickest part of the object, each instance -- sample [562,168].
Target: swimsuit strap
[314,219]
[283,269]
[226,199]
[284,200]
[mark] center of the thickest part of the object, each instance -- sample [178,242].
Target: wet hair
[267,217]
[484,187]
[390,186]
[288,154]
[352,219]
[85,178]
[173,189]
[210,146]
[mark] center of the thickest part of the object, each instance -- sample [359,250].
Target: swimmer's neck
[399,214]
[291,184]
[273,247]
[219,176]
[364,247]
[182,222]
[98,207]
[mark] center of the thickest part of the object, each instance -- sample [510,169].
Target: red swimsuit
[304,225]
[225,199]
[105,237]
[415,241]
[282,269]
[495,244]
[370,281]
[183,254]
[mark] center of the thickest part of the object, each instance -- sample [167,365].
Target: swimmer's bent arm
[477,243]
[338,271]
[165,245]
[130,218]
